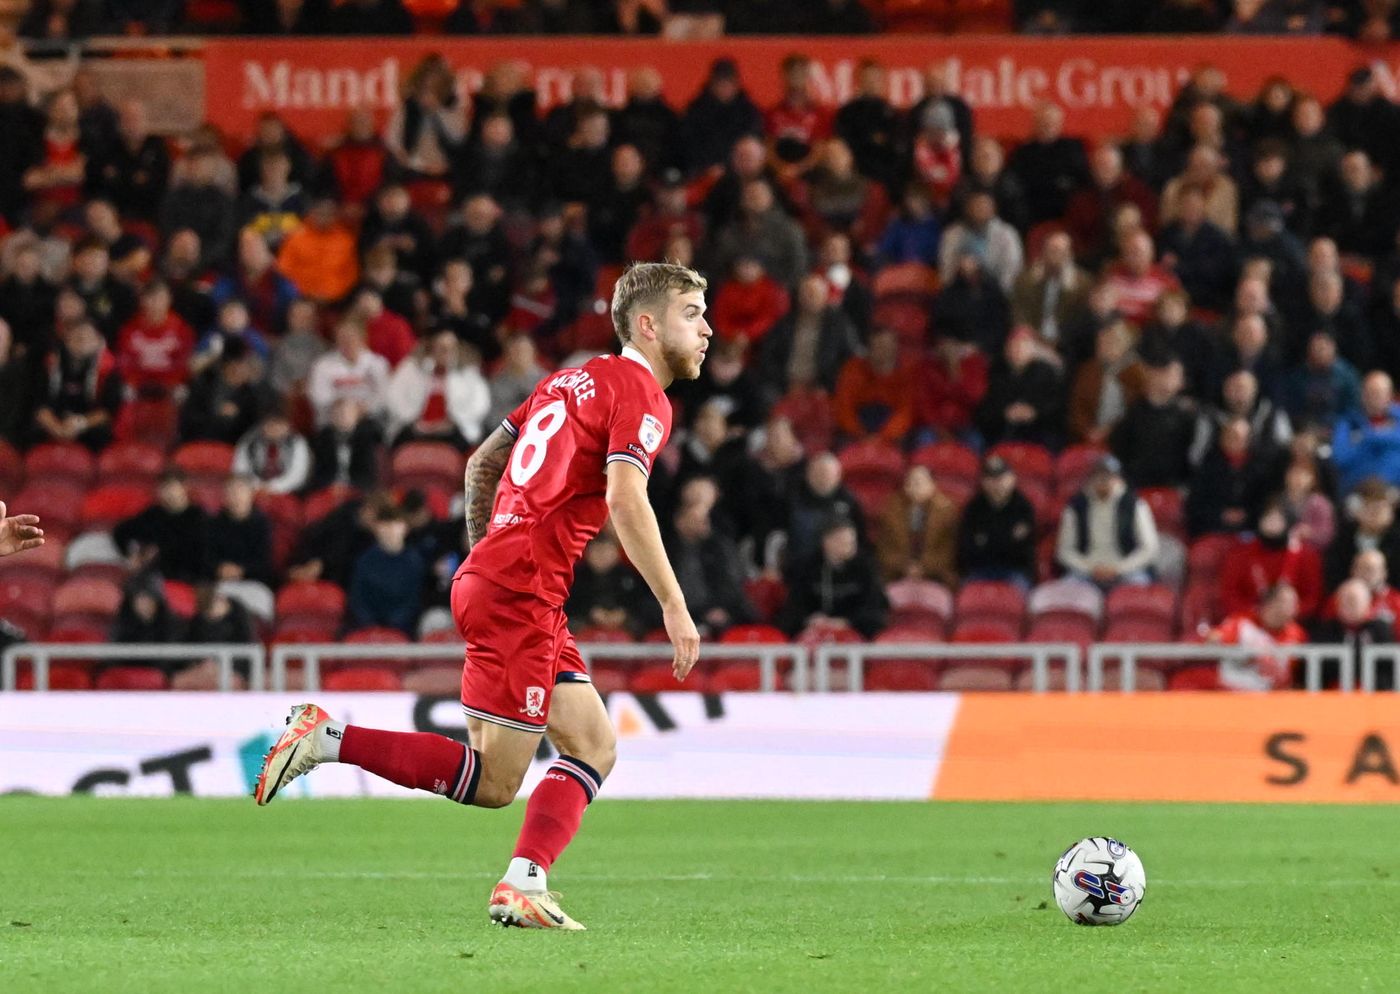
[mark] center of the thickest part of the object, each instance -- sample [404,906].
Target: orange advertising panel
[1099,81]
[1174,747]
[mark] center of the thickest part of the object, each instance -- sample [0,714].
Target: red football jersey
[552,497]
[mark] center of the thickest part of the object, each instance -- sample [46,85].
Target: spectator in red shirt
[1273,556]
[154,349]
[1272,623]
[749,305]
[1369,567]
[1139,279]
[1093,204]
[875,393]
[796,124]
[938,156]
[357,162]
[388,334]
[671,214]
[952,383]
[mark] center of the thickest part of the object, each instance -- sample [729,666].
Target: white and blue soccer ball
[1099,881]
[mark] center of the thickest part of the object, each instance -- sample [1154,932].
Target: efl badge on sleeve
[650,433]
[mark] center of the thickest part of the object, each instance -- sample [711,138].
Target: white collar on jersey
[628,352]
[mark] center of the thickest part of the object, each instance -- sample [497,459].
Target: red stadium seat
[372,678]
[131,462]
[966,678]
[910,320]
[1054,626]
[1200,608]
[326,500]
[736,677]
[914,600]
[107,506]
[46,563]
[900,674]
[60,460]
[62,676]
[912,279]
[872,470]
[1156,602]
[608,678]
[1139,629]
[95,600]
[208,460]
[947,460]
[11,469]
[317,599]
[434,681]
[26,600]
[431,464]
[1002,602]
[767,595]
[598,635]
[181,599]
[57,500]
[1030,462]
[374,636]
[1168,509]
[154,422]
[1067,596]
[657,678]
[1073,468]
[753,635]
[281,508]
[1195,678]
[442,636]
[132,678]
[1206,557]
[305,631]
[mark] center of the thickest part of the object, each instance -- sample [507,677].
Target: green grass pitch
[338,897]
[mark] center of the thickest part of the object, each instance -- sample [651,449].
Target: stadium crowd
[1163,363]
[63,21]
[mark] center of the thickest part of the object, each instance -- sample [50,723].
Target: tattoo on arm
[484,471]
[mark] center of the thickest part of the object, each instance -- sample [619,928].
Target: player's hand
[681,630]
[23,532]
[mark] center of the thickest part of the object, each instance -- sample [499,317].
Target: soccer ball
[1099,881]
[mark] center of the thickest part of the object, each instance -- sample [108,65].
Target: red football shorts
[518,648]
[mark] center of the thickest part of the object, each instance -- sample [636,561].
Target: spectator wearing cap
[349,372]
[320,257]
[79,390]
[875,394]
[1368,523]
[1154,439]
[438,394]
[916,536]
[839,585]
[952,380]
[938,156]
[811,344]
[1325,387]
[1024,401]
[273,456]
[870,126]
[1105,386]
[914,233]
[996,536]
[982,234]
[750,304]
[1138,279]
[764,231]
[386,582]
[1050,165]
[1107,535]
[1366,442]
[718,117]
[1274,555]
[669,216]
[172,535]
[228,398]
[1199,254]
[198,203]
[1229,485]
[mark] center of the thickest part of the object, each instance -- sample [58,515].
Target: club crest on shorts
[650,433]
[534,702]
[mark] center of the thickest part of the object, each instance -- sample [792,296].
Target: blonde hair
[644,284]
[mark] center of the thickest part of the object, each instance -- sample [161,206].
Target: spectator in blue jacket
[1366,442]
[914,233]
[1325,387]
[387,581]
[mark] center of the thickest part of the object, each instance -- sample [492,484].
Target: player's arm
[19,533]
[635,523]
[484,470]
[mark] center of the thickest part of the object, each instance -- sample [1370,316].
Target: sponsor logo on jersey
[650,433]
[534,702]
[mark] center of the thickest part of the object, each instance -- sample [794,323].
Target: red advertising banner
[1099,81]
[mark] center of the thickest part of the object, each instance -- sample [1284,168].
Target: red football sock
[555,810]
[418,760]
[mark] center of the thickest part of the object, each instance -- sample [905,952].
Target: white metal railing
[1129,654]
[1370,656]
[769,655]
[40,654]
[1040,654]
